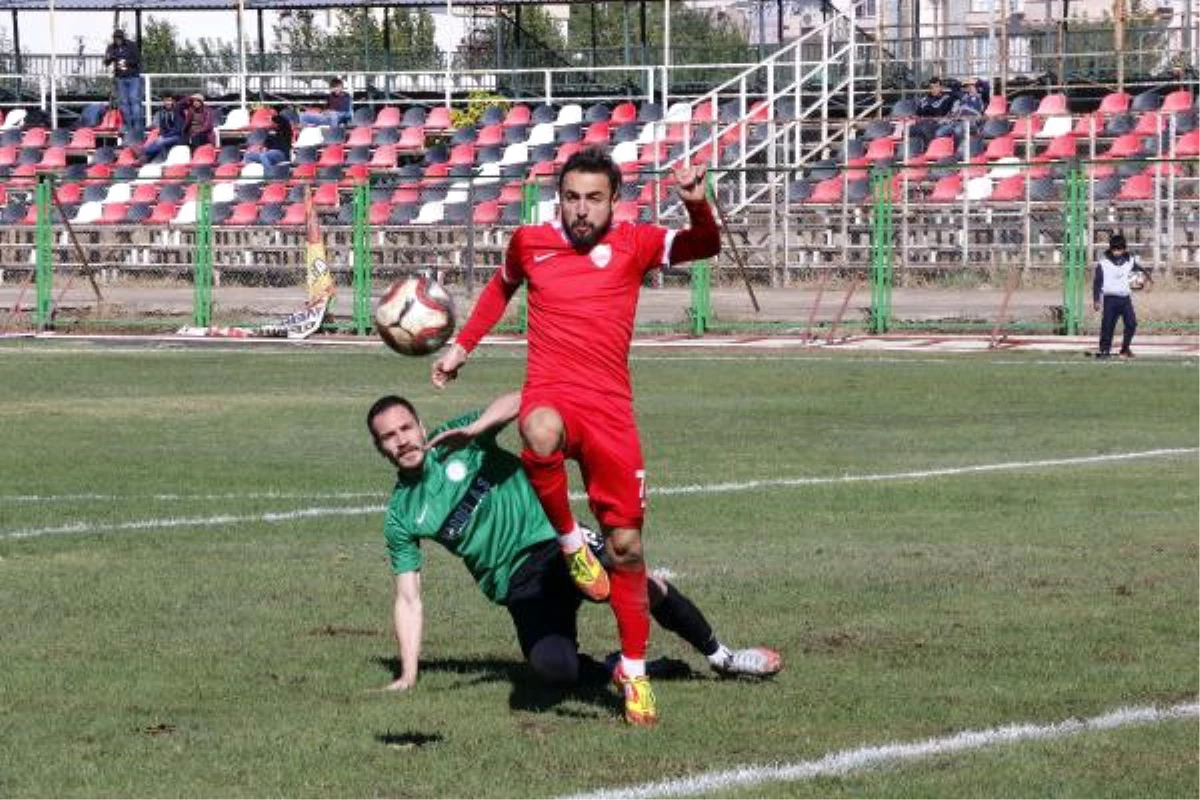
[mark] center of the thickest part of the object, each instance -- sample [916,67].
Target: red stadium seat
[1149,124]
[435,174]
[327,196]
[623,114]
[144,193]
[384,157]
[1127,145]
[356,174]
[439,120]
[245,213]
[274,193]
[1053,105]
[378,212]
[53,158]
[1000,147]
[598,133]
[231,170]
[83,140]
[1027,126]
[128,157]
[332,155]
[98,172]
[885,148]
[997,106]
[1089,124]
[113,213]
[204,156]
[703,113]
[261,118]
[294,214]
[1137,187]
[1009,189]
[517,115]
[1188,145]
[827,191]
[510,193]
[359,137]
[462,155]
[1179,100]
[34,137]
[1064,147]
[490,136]
[412,140]
[947,189]
[565,151]
[626,211]
[8,155]
[939,148]
[486,213]
[388,117]
[304,172]
[163,213]
[1115,103]
[69,192]
[111,122]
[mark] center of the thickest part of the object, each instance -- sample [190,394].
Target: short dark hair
[593,160]
[1116,242]
[335,82]
[385,403]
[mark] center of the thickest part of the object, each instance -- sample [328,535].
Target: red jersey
[582,305]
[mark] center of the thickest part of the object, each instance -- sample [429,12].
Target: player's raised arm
[407,622]
[500,412]
[702,238]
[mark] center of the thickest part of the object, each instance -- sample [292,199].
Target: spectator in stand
[337,110]
[936,103]
[198,123]
[169,122]
[126,61]
[278,147]
[967,106]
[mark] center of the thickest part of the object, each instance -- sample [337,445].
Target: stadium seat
[204,156]
[1149,124]
[1088,125]
[243,213]
[144,193]
[1027,127]
[99,172]
[439,120]
[1128,145]
[362,117]
[332,155]
[623,114]
[903,109]
[383,158]
[1149,100]
[113,213]
[1005,167]
[1053,105]
[597,112]
[1137,188]
[235,124]
[358,137]
[566,151]
[518,114]
[230,169]
[490,136]
[83,140]
[541,133]
[826,192]
[162,213]
[979,188]
[947,189]
[34,137]
[543,114]
[329,135]
[1009,189]
[270,214]
[492,115]
[1000,147]
[1115,103]
[598,134]
[312,138]
[1023,105]
[1064,147]
[294,214]
[940,148]
[997,106]
[110,123]
[569,114]
[1179,100]
[431,213]
[388,117]
[486,213]
[1119,125]
[1055,127]
[262,118]
[53,158]
[274,193]
[413,117]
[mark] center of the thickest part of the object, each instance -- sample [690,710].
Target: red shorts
[602,437]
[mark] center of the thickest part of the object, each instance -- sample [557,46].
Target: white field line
[172,496]
[712,488]
[847,761]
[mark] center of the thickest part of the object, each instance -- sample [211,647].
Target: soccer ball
[1137,281]
[415,316]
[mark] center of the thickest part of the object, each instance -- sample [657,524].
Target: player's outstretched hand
[691,182]
[452,439]
[445,369]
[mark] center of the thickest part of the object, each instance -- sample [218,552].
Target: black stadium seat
[1024,105]
[1146,101]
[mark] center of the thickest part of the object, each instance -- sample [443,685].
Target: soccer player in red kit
[584,275]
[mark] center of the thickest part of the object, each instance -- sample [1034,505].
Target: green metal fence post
[700,312]
[882,252]
[362,259]
[44,267]
[1075,255]
[203,278]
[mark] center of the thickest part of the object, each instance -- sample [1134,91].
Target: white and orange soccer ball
[415,316]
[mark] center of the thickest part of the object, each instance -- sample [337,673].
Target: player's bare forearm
[407,621]
[487,312]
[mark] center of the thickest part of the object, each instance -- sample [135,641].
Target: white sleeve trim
[667,242]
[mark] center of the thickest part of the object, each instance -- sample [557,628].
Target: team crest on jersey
[601,255]
[456,471]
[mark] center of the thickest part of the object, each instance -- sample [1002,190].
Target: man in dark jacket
[169,123]
[123,56]
[278,146]
[1117,272]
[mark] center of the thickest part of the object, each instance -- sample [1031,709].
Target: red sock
[548,476]
[631,607]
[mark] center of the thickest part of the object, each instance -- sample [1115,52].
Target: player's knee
[542,430]
[555,660]
[625,548]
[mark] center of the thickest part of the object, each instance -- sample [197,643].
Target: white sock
[570,542]
[722,655]
[633,667]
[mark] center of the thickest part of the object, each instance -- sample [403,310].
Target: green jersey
[476,502]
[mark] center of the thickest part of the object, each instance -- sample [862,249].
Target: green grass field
[196,596]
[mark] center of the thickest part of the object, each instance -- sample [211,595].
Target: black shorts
[542,599]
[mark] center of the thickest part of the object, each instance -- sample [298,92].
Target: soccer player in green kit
[460,488]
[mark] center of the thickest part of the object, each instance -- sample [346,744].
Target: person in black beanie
[1116,274]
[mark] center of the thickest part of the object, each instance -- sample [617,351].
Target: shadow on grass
[529,693]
